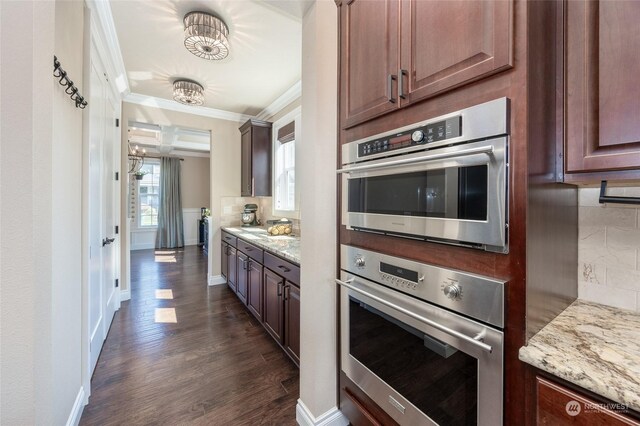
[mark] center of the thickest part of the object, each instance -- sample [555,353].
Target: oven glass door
[420,363]
[439,380]
[452,193]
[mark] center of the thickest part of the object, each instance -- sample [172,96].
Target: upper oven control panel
[432,132]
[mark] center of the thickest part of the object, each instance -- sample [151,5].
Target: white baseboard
[125,295]
[217,280]
[193,242]
[333,417]
[76,411]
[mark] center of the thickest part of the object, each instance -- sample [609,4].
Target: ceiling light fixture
[206,36]
[188,92]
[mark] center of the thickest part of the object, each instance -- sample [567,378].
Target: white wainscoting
[190,219]
[143,239]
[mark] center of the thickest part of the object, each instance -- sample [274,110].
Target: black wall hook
[65,81]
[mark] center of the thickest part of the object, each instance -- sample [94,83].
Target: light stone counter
[287,247]
[594,346]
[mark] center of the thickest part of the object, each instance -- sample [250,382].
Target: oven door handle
[420,318]
[488,149]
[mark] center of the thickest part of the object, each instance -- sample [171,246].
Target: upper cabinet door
[602,91]
[245,166]
[446,44]
[369,59]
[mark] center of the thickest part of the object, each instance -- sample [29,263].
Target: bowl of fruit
[279,227]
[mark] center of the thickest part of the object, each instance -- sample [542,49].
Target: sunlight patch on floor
[166,315]
[164,293]
[165,256]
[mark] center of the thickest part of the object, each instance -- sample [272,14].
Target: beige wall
[318,153]
[195,182]
[40,213]
[609,249]
[224,167]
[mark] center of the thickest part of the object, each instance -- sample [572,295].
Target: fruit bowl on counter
[279,227]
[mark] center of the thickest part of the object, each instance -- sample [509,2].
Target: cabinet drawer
[283,268]
[229,239]
[250,250]
[559,406]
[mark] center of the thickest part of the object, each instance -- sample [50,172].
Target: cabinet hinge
[117,283]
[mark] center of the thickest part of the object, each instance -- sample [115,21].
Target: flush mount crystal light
[188,92]
[206,36]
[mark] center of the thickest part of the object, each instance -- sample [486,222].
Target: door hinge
[117,229]
[117,122]
[117,283]
[117,175]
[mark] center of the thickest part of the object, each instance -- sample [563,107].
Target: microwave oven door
[456,194]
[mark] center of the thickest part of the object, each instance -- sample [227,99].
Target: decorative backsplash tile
[231,209]
[609,249]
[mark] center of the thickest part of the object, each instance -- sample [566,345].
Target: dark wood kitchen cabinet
[292,320]
[232,270]
[394,53]
[282,303]
[224,265]
[560,406]
[255,175]
[255,296]
[242,276]
[602,65]
[273,288]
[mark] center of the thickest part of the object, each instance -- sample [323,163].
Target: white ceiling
[263,63]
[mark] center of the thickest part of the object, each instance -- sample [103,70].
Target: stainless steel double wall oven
[444,179]
[426,342]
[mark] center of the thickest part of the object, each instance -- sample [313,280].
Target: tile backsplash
[231,209]
[609,249]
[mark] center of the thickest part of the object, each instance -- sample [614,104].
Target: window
[285,176]
[148,195]
[286,135]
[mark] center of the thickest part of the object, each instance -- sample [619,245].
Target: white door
[109,237]
[104,296]
[96,136]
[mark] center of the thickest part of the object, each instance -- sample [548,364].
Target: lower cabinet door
[292,321]
[255,297]
[231,268]
[272,315]
[241,283]
[223,261]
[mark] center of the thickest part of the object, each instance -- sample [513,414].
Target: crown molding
[151,101]
[101,13]
[282,101]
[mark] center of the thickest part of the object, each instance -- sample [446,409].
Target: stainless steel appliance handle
[488,149]
[420,318]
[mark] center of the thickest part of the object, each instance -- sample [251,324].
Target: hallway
[215,365]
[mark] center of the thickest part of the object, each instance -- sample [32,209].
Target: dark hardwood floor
[215,366]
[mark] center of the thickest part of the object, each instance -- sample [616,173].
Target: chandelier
[188,92]
[206,36]
[136,159]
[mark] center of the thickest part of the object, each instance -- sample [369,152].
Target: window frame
[139,225]
[275,145]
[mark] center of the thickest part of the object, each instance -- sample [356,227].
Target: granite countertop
[594,346]
[285,246]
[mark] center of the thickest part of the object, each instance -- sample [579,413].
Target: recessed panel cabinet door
[242,277]
[245,169]
[273,288]
[446,43]
[369,59]
[254,301]
[292,321]
[231,268]
[602,90]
